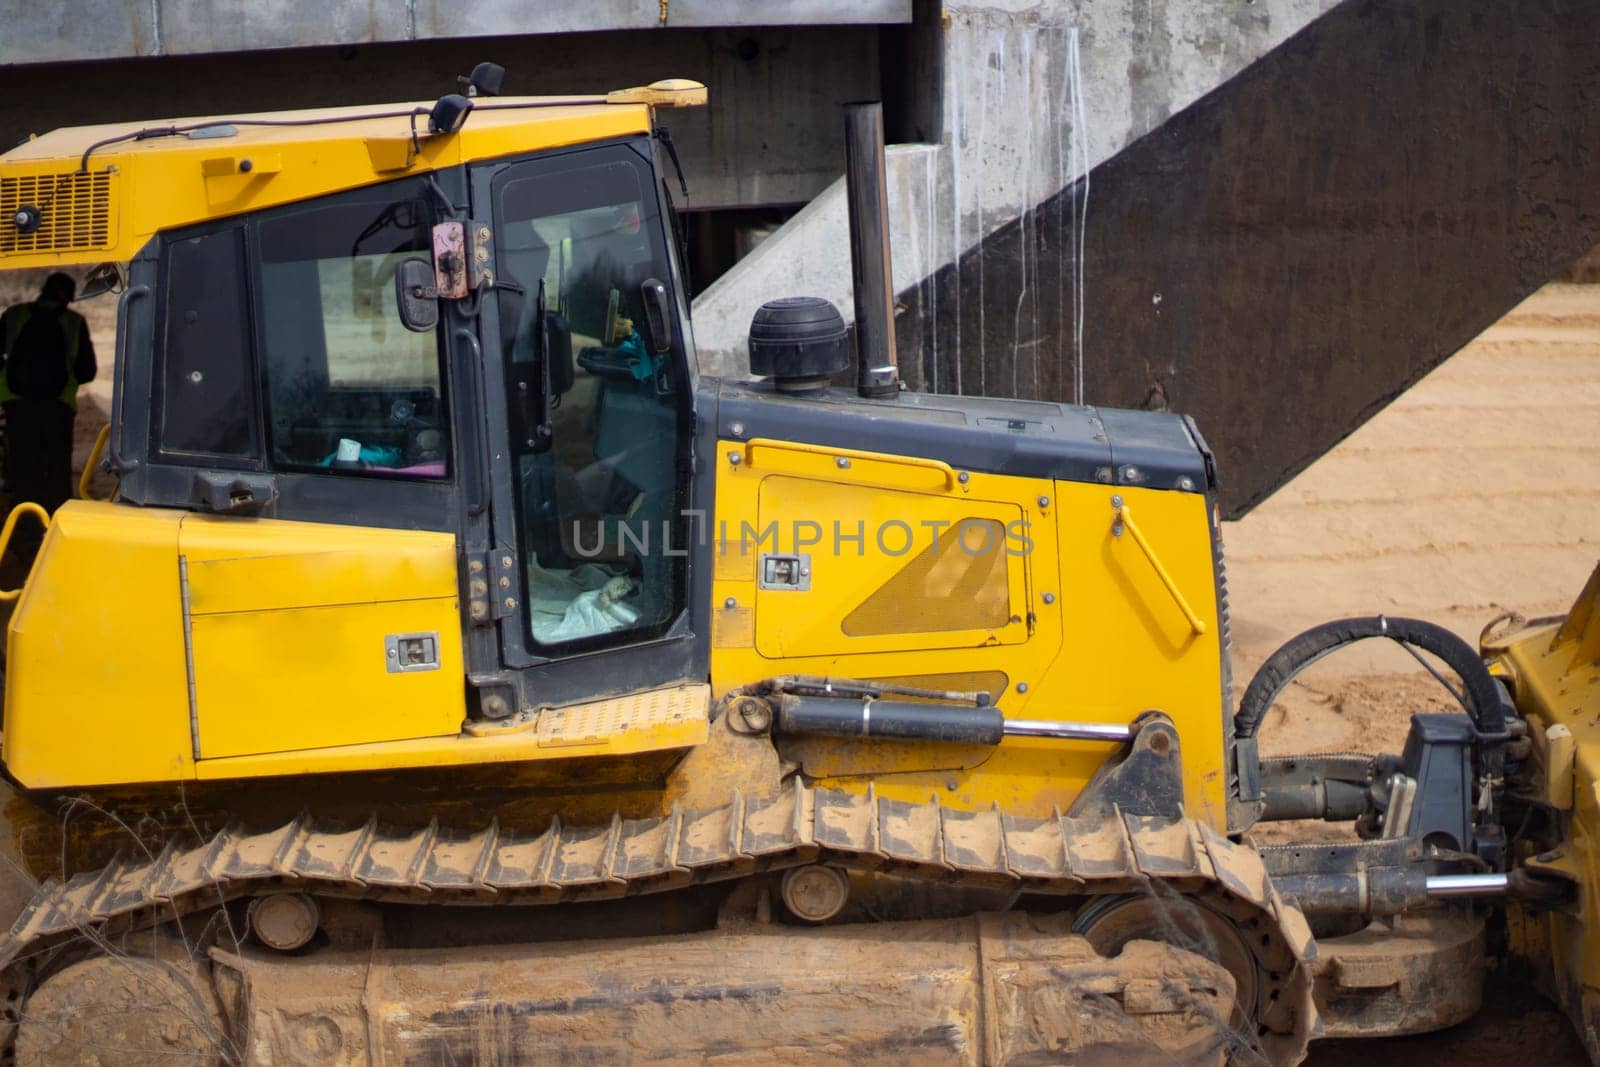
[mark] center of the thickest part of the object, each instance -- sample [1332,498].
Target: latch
[411,652]
[792,571]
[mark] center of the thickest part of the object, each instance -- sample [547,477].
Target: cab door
[593,494]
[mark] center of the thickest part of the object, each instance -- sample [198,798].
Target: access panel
[307,636]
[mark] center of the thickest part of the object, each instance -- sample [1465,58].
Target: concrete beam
[771,134]
[68,30]
[469,18]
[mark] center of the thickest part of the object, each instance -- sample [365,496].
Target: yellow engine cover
[1026,588]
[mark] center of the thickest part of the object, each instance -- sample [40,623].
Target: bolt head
[963,477]
[843,462]
[1044,501]
[736,428]
[730,603]
[1049,598]
[1116,500]
[734,459]
[1022,687]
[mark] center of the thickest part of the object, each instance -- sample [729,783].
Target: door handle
[225,491]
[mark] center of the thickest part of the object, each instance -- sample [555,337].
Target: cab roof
[88,194]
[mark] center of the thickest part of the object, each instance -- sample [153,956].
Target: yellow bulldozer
[458,675]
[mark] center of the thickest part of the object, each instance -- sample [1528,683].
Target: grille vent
[76,209]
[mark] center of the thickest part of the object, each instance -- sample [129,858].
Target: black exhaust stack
[877,366]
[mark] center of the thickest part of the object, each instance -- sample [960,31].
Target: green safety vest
[72,327]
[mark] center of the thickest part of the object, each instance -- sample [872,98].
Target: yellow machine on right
[1551,670]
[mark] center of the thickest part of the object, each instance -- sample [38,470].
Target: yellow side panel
[301,678]
[1128,645]
[288,624]
[1098,638]
[861,557]
[294,629]
[96,690]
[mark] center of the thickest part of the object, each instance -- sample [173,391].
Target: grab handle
[1124,520]
[95,453]
[26,507]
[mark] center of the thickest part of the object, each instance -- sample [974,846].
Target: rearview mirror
[657,315]
[102,278]
[415,296]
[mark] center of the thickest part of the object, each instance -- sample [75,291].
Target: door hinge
[492,587]
[504,588]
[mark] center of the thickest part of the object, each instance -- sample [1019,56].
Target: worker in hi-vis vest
[45,354]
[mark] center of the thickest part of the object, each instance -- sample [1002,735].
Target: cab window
[349,388]
[206,398]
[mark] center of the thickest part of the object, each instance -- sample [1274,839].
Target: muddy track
[1057,856]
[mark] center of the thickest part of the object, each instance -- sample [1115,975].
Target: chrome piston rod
[1068,731]
[1468,885]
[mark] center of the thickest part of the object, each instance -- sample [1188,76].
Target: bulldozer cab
[541,419]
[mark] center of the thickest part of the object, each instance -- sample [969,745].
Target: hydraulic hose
[1482,697]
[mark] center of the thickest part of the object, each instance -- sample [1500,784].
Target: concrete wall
[1035,92]
[32,31]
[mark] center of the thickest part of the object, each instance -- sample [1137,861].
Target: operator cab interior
[347,384]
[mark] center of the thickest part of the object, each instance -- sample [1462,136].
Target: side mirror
[415,296]
[103,278]
[657,315]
